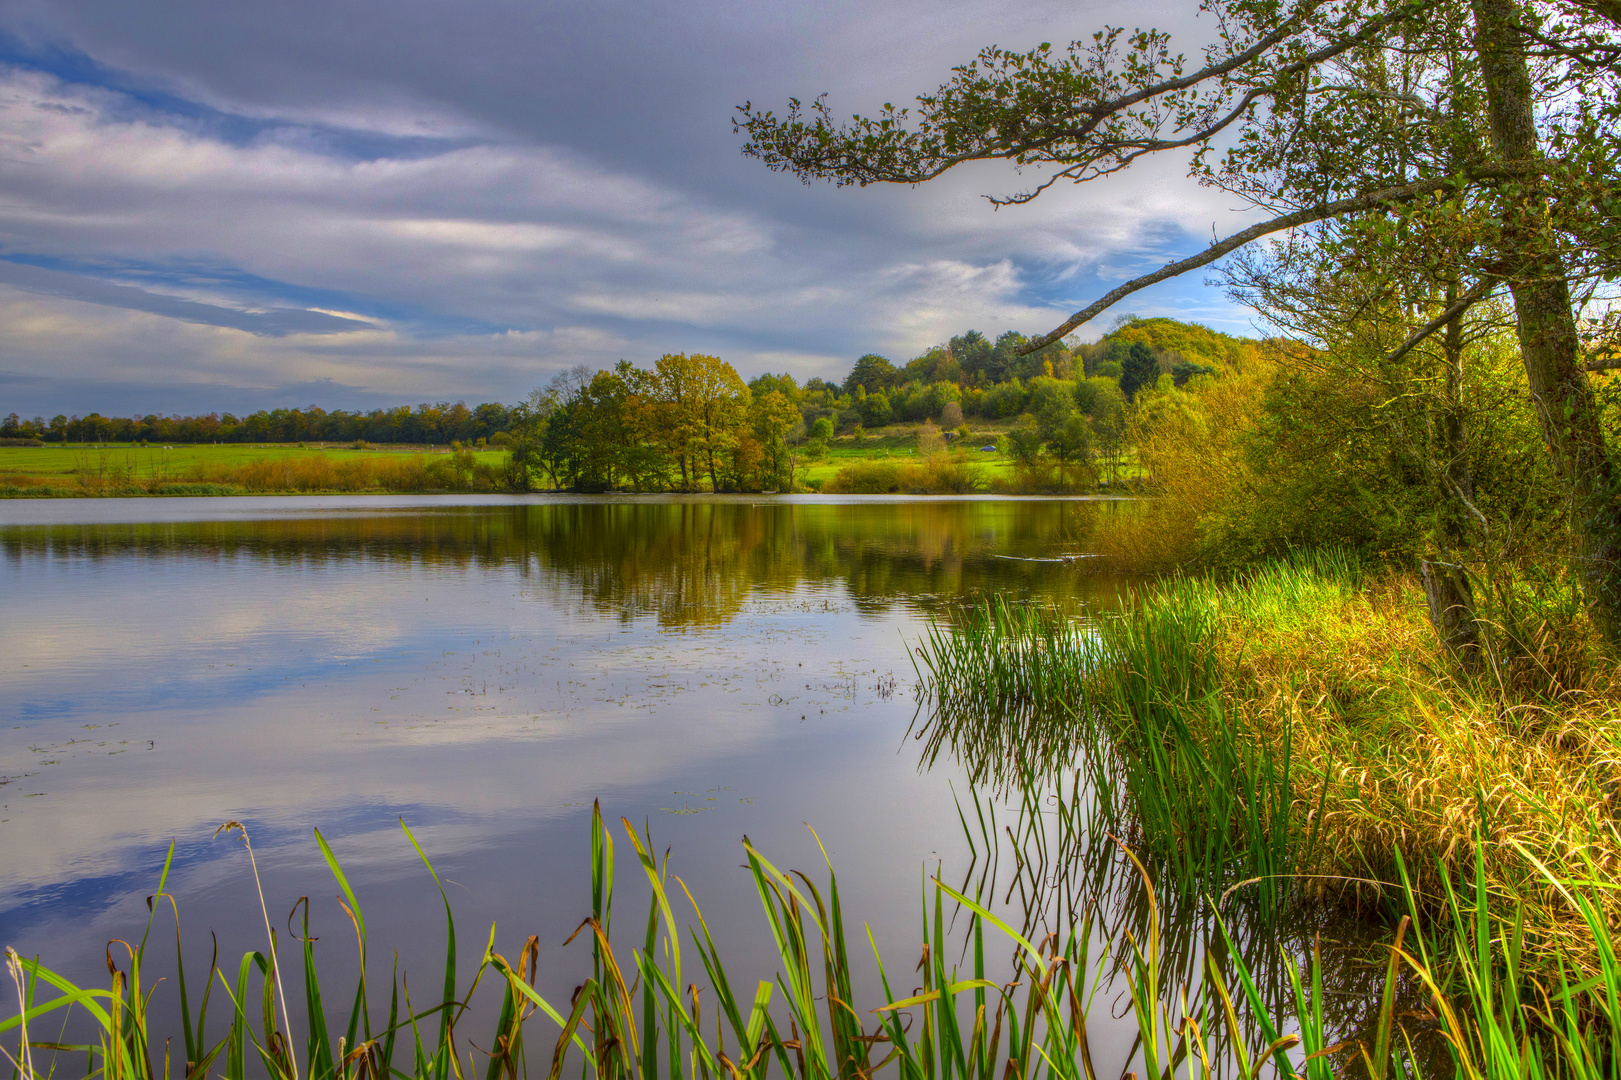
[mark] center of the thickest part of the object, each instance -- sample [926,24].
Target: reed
[1298,728]
[635,1015]
[997,682]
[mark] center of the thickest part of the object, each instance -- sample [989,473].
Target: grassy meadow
[124,469]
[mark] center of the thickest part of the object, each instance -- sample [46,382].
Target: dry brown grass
[1426,761]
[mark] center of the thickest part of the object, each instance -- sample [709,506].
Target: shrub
[938,475]
[867,478]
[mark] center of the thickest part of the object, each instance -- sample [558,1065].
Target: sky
[225,206]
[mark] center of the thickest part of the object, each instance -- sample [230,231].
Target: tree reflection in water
[684,562]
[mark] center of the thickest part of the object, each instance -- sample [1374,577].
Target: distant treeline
[968,377]
[426,424]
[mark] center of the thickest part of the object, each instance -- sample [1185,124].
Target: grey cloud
[273,323]
[36,395]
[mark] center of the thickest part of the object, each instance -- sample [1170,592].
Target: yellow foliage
[1188,443]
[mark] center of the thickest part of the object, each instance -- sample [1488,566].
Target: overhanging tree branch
[885,151]
[1367,201]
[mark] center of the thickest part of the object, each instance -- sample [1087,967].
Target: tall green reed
[975,1017]
[1133,701]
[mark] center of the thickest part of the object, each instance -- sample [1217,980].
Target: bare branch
[1458,307]
[1609,363]
[1366,201]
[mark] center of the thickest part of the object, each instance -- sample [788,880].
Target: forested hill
[1189,341]
[986,378]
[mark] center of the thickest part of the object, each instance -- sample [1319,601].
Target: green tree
[1070,444]
[872,372]
[774,419]
[1025,441]
[875,409]
[1139,370]
[972,353]
[1547,175]
[702,409]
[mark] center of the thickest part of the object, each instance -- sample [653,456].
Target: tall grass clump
[1021,663]
[1299,729]
[986,1000]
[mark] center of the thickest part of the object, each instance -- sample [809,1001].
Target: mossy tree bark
[1536,275]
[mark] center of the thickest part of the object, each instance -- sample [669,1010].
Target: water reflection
[484,671]
[686,563]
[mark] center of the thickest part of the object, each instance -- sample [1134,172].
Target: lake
[483,669]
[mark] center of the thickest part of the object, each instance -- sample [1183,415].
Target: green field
[97,465]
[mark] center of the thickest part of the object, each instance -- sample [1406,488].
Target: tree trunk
[1535,272]
[1446,585]
[1452,609]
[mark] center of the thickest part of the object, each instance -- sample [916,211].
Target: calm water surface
[483,670]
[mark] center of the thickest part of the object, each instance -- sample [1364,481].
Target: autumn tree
[702,406]
[773,418]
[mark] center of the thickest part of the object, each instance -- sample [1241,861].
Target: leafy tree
[1096,396]
[871,371]
[700,405]
[1004,357]
[1050,399]
[1139,370]
[875,409]
[1004,399]
[784,384]
[1025,441]
[1069,441]
[773,418]
[972,352]
[1183,370]
[1546,177]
